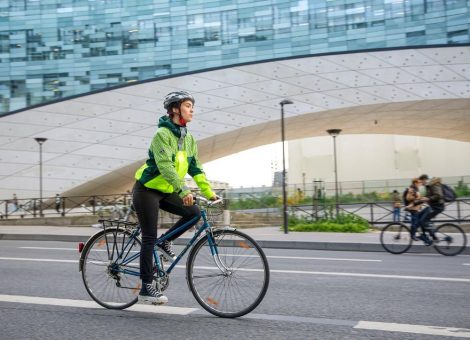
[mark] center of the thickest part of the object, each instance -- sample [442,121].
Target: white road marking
[91,304]
[36,260]
[426,254]
[309,258]
[382,276]
[49,248]
[367,325]
[303,272]
[417,329]
[466,264]
[268,256]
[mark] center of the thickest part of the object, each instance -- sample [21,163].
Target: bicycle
[449,239]
[227,271]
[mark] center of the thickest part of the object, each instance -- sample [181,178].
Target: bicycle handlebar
[208,202]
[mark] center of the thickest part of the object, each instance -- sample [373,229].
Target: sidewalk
[267,237]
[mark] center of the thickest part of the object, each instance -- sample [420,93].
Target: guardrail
[71,206]
[104,206]
[381,212]
[116,206]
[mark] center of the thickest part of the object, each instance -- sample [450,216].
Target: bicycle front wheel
[449,239]
[231,278]
[110,268]
[396,238]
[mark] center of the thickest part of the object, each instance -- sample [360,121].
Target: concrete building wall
[376,157]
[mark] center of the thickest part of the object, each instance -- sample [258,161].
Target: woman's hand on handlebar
[188,199]
[216,199]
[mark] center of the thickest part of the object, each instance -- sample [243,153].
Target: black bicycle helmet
[176,97]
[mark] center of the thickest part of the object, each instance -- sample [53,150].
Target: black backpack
[448,193]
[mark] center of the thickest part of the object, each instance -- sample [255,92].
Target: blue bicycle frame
[161,272]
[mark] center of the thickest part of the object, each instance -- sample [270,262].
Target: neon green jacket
[172,155]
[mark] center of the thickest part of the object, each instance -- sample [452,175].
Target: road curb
[268,244]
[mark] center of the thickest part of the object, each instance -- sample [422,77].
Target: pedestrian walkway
[268,237]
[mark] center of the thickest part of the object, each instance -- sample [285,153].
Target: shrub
[332,227]
[344,223]
[462,189]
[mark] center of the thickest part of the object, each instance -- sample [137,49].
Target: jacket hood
[165,121]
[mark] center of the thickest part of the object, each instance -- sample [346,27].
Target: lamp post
[40,141]
[284,195]
[334,133]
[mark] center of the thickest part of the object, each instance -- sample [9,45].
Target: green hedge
[327,226]
[344,223]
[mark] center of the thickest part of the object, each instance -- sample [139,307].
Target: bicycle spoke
[234,292]
[396,238]
[104,275]
[451,240]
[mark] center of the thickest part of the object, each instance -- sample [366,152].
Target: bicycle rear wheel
[396,238]
[110,268]
[232,282]
[449,239]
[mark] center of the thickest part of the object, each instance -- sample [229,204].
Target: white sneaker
[167,250]
[149,295]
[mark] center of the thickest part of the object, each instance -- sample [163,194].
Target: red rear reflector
[80,246]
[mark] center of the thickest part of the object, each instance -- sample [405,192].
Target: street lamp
[334,133]
[284,196]
[40,141]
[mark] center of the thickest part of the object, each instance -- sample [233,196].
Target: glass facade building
[54,49]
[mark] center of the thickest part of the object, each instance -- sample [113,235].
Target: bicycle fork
[215,254]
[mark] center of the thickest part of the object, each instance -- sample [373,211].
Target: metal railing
[64,206]
[380,212]
[103,206]
[116,205]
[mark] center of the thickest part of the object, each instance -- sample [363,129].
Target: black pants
[427,214]
[147,202]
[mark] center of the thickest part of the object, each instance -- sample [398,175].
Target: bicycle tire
[396,241]
[444,239]
[106,283]
[248,270]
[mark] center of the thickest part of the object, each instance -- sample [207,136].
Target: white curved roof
[95,142]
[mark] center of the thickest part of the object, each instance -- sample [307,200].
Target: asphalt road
[312,295]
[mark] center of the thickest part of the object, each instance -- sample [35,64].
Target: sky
[250,168]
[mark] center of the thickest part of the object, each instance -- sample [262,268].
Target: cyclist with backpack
[436,204]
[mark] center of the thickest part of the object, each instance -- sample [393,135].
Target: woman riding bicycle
[160,185]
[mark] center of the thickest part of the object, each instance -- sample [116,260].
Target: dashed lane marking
[36,260]
[268,256]
[91,304]
[302,272]
[365,325]
[382,276]
[417,329]
[311,258]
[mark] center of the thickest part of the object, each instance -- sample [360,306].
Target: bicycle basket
[214,213]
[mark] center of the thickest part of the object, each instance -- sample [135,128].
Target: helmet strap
[181,119]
